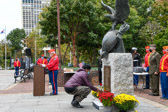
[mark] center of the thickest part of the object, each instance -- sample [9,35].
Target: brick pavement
[27,87]
[144,93]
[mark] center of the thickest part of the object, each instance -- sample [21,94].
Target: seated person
[79,85]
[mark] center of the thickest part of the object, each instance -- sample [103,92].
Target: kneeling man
[79,85]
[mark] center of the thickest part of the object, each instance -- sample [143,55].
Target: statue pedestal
[117,73]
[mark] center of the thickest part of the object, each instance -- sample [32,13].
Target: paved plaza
[25,101]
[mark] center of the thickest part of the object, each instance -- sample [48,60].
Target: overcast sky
[10,15]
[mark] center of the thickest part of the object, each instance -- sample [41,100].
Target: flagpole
[5,47]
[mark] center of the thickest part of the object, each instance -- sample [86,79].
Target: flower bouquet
[125,102]
[95,94]
[106,98]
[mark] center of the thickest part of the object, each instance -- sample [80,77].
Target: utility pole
[35,43]
[59,39]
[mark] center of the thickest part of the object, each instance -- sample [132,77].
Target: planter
[127,111]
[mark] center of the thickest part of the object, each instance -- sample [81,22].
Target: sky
[10,16]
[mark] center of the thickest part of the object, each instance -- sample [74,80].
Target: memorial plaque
[39,81]
[107,78]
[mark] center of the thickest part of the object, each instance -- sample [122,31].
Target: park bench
[23,74]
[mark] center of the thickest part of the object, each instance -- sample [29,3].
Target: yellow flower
[124,98]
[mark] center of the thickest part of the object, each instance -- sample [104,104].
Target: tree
[15,38]
[79,18]
[40,42]
[160,15]
[2,54]
[84,25]
[149,31]
[48,23]
[156,29]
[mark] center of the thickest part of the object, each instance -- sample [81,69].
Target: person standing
[154,62]
[79,85]
[136,63]
[147,56]
[16,65]
[164,73]
[53,70]
[42,60]
[100,71]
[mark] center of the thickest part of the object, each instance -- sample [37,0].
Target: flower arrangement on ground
[125,102]
[95,94]
[106,98]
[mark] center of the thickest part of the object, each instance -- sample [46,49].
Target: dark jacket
[136,60]
[154,62]
[80,78]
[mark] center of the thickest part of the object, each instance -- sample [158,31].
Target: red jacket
[16,63]
[53,63]
[42,61]
[164,63]
[147,56]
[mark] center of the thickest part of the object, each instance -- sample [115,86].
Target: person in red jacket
[147,56]
[16,65]
[53,70]
[164,73]
[42,60]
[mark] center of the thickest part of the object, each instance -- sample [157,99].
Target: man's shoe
[154,94]
[163,98]
[52,94]
[80,105]
[76,104]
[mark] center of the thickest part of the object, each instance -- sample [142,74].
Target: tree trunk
[74,52]
[65,53]
[77,56]
[59,38]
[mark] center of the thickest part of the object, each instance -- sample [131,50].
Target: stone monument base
[117,73]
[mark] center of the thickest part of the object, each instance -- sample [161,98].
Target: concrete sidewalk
[18,97]
[61,103]
[6,79]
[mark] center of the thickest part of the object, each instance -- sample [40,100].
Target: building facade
[30,13]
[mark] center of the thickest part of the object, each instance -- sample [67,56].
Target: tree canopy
[15,38]
[83,24]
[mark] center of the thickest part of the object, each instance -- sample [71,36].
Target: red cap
[51,50]
[42,55]
[165,47]
[147,47]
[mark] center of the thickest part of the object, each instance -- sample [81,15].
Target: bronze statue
[112,41]
[120,14]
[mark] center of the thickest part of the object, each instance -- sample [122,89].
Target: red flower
[106,98]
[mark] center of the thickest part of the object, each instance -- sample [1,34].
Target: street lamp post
[35,49]
[5,48]
[35,43]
